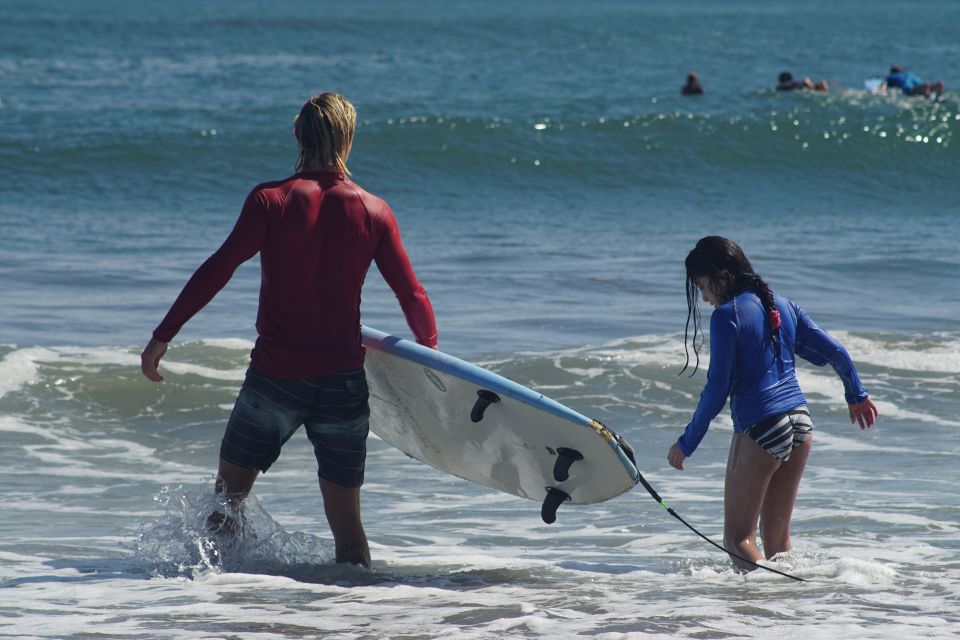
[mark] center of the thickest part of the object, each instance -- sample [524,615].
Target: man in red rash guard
[317,233]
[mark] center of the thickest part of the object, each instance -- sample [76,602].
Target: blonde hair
[324,130]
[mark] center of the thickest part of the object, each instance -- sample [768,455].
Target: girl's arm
[819,347]
[723,346]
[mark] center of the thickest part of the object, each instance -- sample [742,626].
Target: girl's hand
[676,457]
[863,412]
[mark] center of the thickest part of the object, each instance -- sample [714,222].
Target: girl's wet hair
[324,130]
[724,264]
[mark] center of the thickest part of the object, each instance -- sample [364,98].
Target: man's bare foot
[221,524]
[355,553]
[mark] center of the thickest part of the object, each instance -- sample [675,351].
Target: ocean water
[549,180]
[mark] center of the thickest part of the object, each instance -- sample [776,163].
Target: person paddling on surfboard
[911,85]
[786,82]
[755,336]
[317,233]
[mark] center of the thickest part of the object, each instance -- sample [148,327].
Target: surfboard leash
[656,496]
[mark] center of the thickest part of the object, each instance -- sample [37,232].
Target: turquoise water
[548,179]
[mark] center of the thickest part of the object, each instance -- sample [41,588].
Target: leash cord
[656,496]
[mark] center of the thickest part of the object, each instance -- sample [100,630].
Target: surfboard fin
[627,449]
[565,458]
[555,497]
[484,399]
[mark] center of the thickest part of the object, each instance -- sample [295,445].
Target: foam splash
[180,545]
[809,564]
[17,369]
[862,573]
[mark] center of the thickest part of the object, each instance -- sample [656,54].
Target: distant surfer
[911,85]
[755,336]
[317,233]
[786,82]
[692,87]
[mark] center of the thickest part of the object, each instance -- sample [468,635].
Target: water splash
[180,543]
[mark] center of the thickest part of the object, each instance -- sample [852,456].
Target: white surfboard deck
[873,85]
[421,402]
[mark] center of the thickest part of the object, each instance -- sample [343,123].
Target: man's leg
[234,483]
[749,469]
[342,506]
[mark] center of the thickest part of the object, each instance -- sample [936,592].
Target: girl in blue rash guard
[755,336]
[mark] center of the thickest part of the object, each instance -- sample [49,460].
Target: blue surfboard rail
[440,361]
[434,359]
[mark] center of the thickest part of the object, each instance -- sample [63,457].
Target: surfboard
[475,424]
[876,85]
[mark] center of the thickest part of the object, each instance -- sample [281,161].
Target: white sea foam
[11,424]
[862,573]
[85,356]
[654,349]
[927,354]
[592,372]
[233,344]
[890,411]
[822,386]
[830,440]
[482,596]
[183,368]
[22,366]
[939,352]
[17,369]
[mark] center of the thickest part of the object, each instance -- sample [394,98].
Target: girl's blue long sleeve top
[744,367]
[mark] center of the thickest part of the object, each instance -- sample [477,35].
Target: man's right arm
[243,243]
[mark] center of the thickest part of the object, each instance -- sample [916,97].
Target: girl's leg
[781,496]
[749,469]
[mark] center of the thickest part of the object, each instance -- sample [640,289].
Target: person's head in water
[718,269]
[692,86]
[324,130]
[785,77]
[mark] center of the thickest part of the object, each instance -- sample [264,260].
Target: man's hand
[150,359]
